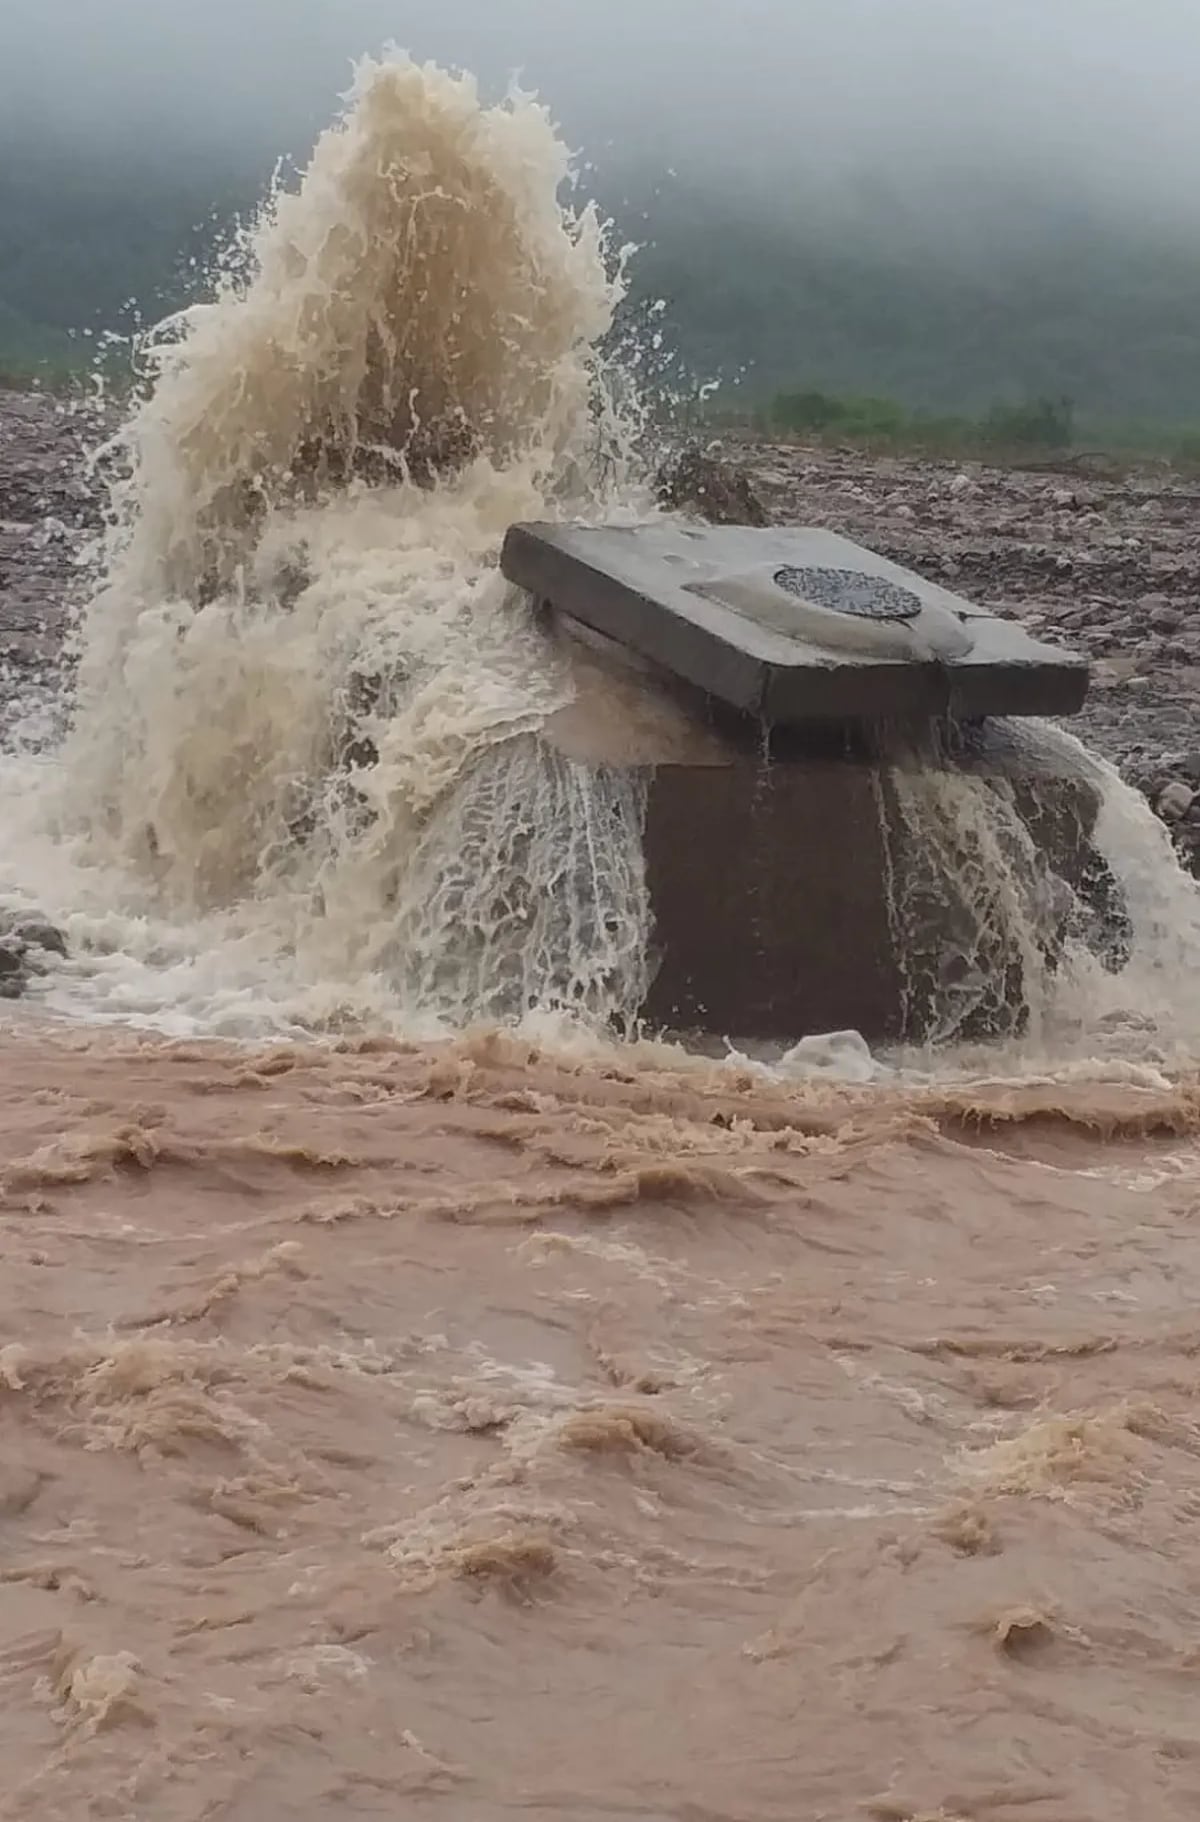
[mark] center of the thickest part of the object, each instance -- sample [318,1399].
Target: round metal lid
[849,591]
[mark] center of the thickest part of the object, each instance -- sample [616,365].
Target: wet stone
[22,931]
[1175,800]
[27,945]
[714,490]
[37,934]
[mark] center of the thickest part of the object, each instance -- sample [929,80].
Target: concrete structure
[769,684]
[791,626]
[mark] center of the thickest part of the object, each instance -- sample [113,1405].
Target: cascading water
[1102,964]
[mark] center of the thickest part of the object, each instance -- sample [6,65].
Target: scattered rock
[1174,801]
[49,513]
[25,943]
[36,933]
[845,1055]
[702,483]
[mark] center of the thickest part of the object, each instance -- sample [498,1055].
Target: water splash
[304,786]
[1095,960]
[306,699]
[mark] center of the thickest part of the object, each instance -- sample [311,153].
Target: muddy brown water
[473,1432]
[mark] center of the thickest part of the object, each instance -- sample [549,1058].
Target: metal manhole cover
[848,591]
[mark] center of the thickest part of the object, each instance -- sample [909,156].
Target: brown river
[464,1431]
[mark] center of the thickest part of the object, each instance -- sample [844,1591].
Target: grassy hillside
[943,316]
[948,306]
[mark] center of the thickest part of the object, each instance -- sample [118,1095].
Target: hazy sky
[1101,89]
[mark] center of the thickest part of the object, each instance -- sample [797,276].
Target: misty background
[949,202]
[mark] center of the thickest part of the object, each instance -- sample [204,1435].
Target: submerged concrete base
[807,892]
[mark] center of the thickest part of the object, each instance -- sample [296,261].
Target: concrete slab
[791,625]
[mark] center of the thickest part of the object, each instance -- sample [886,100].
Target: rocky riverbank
[1107,563]
[49,521]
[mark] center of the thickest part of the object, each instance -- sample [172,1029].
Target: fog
[947,202]
[1094,97]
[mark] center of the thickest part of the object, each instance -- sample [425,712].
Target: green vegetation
[1036,426]
[1032,430]
[958,324]
[945,318]
[90,245]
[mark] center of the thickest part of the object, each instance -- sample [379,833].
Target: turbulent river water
[416,1401]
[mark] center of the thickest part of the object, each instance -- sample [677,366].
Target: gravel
[49,524]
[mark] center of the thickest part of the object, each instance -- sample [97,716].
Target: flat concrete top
[791,624]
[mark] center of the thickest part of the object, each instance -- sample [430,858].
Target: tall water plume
[304,692]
